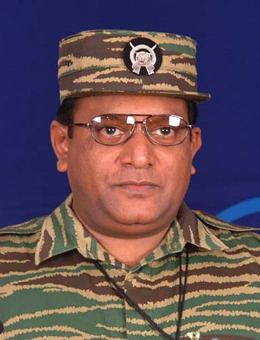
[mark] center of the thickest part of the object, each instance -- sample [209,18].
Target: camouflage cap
[118,61]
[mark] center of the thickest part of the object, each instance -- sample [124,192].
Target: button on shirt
[50,287]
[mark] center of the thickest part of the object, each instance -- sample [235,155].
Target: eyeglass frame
[143,122]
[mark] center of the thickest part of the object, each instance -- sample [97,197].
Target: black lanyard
[182,291]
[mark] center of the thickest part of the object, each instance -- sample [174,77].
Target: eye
[111,131]
[165,131]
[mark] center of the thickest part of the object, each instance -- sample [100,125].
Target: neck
[129,251]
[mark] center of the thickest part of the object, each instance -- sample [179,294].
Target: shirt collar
[62,232]
[196,232]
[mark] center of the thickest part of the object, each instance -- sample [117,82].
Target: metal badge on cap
[142,56]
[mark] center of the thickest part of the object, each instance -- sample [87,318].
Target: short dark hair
[193,112]
[65,112]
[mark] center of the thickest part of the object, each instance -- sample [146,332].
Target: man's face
[130,189]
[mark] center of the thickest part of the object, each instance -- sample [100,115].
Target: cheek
[177,171]
[88,167]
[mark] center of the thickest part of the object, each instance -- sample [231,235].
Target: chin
[137,228]
[134,220]
[138,216]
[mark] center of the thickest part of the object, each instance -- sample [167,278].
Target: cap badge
[142,56]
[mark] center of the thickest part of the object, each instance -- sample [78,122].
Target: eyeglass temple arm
[86,125]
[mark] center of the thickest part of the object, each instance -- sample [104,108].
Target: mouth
[138,186]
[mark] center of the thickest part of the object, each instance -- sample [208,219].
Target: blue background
[228,166]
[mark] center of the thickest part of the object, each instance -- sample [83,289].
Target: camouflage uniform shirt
[51,289]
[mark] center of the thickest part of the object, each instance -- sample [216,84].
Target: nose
[138,151]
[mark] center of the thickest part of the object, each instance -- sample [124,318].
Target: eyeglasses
[113,129]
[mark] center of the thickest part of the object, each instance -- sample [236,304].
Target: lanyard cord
[182,292]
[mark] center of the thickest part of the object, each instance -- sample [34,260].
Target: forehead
[89,106]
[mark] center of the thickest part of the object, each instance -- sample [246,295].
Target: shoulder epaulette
[26,228]
[213,221]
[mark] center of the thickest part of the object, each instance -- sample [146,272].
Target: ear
[196,143]
[60,144]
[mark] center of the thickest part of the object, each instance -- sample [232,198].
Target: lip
[137,183]
[137,186]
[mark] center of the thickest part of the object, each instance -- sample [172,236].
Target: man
[123,257]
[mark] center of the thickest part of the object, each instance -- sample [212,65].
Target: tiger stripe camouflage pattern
[50,288]
[92,62]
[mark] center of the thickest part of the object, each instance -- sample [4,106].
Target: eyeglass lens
[116,129]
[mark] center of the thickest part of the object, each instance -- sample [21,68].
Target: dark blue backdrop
[228,166]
